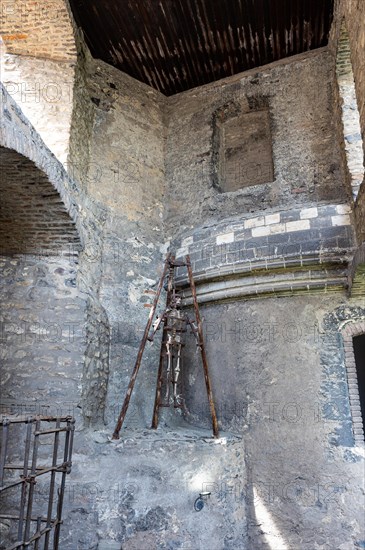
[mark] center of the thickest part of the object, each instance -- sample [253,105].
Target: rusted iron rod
[25,538]
[202,349]
[32,484]
[24,489]
[66,460]
[23,419]
[52,482]
[140,352]
[157,404]
[4,445]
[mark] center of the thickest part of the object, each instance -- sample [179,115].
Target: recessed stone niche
[245,151]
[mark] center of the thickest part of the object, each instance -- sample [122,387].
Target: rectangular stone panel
[246,151]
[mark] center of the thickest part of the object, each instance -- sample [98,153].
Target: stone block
[308,213]
[299,225]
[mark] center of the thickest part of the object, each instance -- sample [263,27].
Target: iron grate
[35,458]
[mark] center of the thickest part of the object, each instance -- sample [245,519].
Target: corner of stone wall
[82,117]
[96,365]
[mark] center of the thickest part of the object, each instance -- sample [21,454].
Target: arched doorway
[42,310]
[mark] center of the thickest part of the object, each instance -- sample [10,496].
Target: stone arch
[336,333]
[354,146]
[33,218]
[43,313]
[349,331]
[18,134]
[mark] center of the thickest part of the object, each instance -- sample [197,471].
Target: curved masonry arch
[349,331]
[43,309]
[335,337]
[354,147]
[18,134]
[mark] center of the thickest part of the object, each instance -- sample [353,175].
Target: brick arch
[17,134]
[33,218]
[349,331]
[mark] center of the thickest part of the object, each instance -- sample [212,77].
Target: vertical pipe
[36,542]
[4,446]
[162,356]
[52,484]
[66,456]
[32,482]
[23,496]
[202,349]
[140,353]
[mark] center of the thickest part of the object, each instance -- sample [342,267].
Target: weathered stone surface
[350,13]
[43,334]
[305,152]
[140,177]
[43,89]
[38,30]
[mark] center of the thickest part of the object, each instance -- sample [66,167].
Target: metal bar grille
[27,444]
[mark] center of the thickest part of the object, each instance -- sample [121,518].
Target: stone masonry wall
[350,112]
[353,12]
[38,29]
[42,335]
[43,89]
[18,134]
[33,218]
[303,250]
[118,157]
[83,112]
[306,157]
[38,57]
[139,492]
[43,312]
[279,378]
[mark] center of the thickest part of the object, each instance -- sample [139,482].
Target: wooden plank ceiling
[175,45]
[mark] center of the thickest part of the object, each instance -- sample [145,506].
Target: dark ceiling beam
[176,45]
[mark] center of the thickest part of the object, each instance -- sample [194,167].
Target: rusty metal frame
[31,470]
[202,349]
[142,346]
[170,265]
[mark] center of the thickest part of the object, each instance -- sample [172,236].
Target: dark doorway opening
[359,351]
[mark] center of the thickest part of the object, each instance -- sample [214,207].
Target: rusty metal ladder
[169,270]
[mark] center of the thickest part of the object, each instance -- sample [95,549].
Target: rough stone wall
[16,133]
[33,218]
[38,56]
[139,492]
[353,12]
[81,129]
[43,312]
[42,335]
[350,112]
[306,157]
[38,29]
[43,89]
[279,379]
[118,154]
[126,173]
